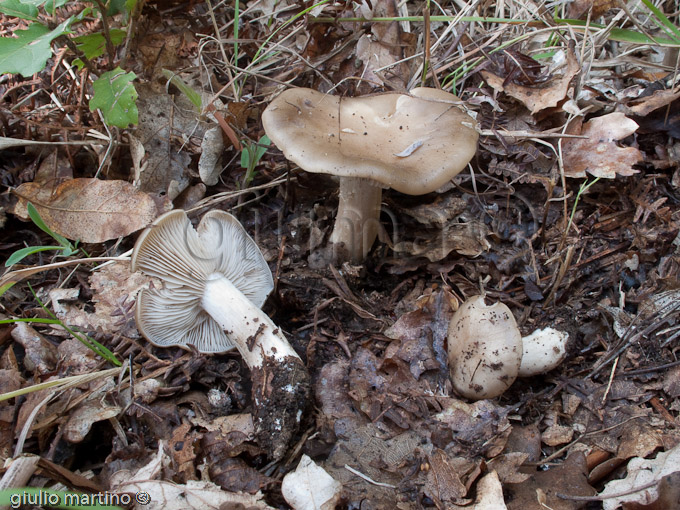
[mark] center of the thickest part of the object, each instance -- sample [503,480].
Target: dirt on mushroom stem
[281,398]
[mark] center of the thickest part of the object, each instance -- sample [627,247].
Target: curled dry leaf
[489,495]
[467,239]
[89,210]
[211,149]
[599,154]
[382,51]
[114,288]
[166,495]
[41,356]
[507,467]
[81,420]
[162,166]
[539,96]
[443,478]
[556,435]
[641,472]
[309,487]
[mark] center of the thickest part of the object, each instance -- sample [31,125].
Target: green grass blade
[21,254]
[35,217]
[663,20]
[193,96]
[237,20]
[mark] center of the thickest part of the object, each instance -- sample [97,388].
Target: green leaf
[115,96]
[116,7]
[262,147]
[50,5]
[19,9]
[663,21]
[35,218]
[46,3]
[27,53]
[94,45]
[21,254]
[193,96]
[245,157]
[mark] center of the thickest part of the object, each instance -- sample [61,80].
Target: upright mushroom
[413,143]
[487,351]
[214,281]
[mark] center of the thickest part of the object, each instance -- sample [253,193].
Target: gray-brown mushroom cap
[184,259]
[413,143]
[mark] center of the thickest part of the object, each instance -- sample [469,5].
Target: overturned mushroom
[542,350]
[487,351]
[214,281]
[413,143]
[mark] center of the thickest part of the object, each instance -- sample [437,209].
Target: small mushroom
[214,281]
[413,143]
[485,349]
[543,350]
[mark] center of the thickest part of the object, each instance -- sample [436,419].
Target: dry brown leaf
[525,440]
[443,481]
[81,419]
[647,104]
[41,355]
[467,239]
[579,8]
[209,167]
[183,453]
[569,478]
[507,467]
[162,167]
[76,358]
[114,289]
[309,487]
[671,383]
[639,439]
[541,96]
[481,422]
[599,154]
[489,495]
[557,434]
[89,210]
[167,495]
[642,472]
[382,52]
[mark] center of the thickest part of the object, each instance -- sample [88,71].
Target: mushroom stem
[358,218]
[253,332]
[281,384]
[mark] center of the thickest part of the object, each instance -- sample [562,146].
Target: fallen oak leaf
[599,154]
[538,97]
[89,210]
[641,483]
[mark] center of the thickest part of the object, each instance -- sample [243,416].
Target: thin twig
[107,33]
[609,496]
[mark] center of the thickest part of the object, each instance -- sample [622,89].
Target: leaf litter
[555,107]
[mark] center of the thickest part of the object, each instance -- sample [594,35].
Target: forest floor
[568,214]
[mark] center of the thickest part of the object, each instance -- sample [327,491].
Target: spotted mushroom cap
[413,143]
[183,258]
[484,348]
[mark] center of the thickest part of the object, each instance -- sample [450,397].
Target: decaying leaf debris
[567,214]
